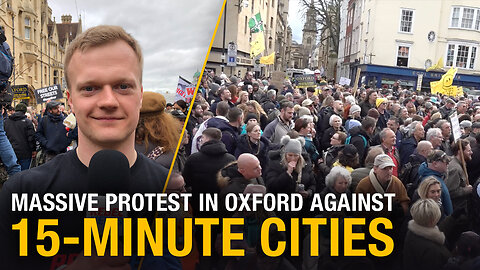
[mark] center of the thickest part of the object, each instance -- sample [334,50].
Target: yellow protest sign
[257,46]
[444,86]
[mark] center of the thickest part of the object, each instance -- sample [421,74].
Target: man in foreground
[103,70]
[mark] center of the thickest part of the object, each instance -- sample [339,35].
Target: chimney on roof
[66,18]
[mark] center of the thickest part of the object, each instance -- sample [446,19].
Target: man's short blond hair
[98,36]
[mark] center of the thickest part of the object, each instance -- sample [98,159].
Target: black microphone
[108,172]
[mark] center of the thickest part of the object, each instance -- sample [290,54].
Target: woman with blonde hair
[254,107]
[424,246]
[242,97]
[157,132]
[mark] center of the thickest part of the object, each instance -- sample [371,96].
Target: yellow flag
[444,86]
[268,60]
[438,65]
[257,46]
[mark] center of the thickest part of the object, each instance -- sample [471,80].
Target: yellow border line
[194,95]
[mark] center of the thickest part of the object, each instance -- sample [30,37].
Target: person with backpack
[360,137]
[409,173]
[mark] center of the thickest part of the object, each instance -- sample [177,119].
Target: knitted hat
[353,123]
[292,145]
[379,101]
[153,103]
[355,108]
[250,116]
[21,107]
[349,150]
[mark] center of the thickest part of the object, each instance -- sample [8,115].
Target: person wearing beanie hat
[353,114]
[380,101]
[383,114]
[21,107]
[287,171]
[151,136]
[250,118]
[348,158]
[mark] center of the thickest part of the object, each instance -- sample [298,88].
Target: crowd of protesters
[247,135]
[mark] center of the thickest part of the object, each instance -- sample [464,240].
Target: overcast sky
[174,35]
[296,19]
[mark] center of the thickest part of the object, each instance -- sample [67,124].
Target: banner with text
[20,91]
[51,92]
[185,90]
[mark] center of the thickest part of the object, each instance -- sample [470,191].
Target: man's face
[419,131]
[373,97]
[462,108]
[446,130]
[226,95]
[390,139]
[467,153]
[198,111]
[441,166]
[338,106]
[287,114]
[105,94]
[252,169]
[383,175]
[392,125]
[55,110]
[436,141]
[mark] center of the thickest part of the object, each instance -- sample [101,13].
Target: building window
[402,56]
[465,18]
[271,22]
[455,16]
[273,3]
[406,21]
[253,4]
[27,28]
[309,40]
[461,55]
[55,77]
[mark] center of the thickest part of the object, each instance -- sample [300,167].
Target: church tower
[309,38]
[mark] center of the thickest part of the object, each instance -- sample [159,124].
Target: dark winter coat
[21,134]
[356,134]
[201,169]
[424,248]
[277,179]
[407,148]
[245,146]
[52,135]
[229,136]
[365,106]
